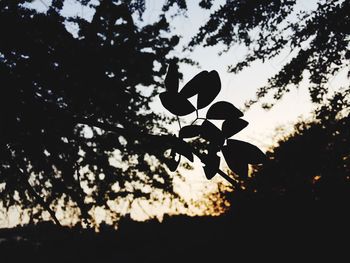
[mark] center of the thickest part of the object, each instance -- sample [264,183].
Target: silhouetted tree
[70,103]
[312,163]
[76,125]
[317,40]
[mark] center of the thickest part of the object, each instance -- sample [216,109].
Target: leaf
[171,162]
[183,148]
[223,110]
[250,152]
[190,131]
[211,166]
[206,85]
[239,154]
[171,81]
[237,165]
[211,90]
[232,126]
[178,147]
[212,134]
[176,103]
[194,85]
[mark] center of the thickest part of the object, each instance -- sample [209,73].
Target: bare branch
[42,202]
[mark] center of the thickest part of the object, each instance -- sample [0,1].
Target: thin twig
[42,202]
[193,122]
[23,177]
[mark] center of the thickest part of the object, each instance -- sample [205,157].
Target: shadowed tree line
[312,163]
[181,239]
[319,168]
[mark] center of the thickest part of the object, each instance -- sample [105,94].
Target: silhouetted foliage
[313,163]
[206,86]
[70,102]
[317,40]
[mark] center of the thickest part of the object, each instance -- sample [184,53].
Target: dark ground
[278,231]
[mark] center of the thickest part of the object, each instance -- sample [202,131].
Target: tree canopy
[317,41]
[61,94]
[311,163]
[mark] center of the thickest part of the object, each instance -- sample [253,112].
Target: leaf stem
[194,121]
[178,121]
[203,158]
[228,178]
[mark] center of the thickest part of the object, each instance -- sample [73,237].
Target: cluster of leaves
[318,40]
[71,103]
[206,86]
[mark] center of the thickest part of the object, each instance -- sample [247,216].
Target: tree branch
[136,134]
[23,177]
[228,178]
[42,202]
